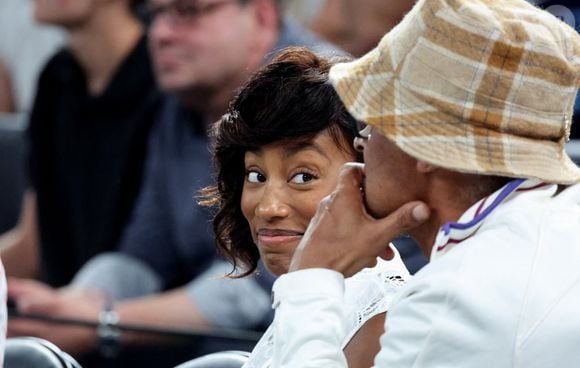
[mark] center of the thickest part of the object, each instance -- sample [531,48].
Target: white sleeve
[309,321]
[409,339]
[427,325]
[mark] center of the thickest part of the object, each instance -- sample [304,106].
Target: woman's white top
[367,294]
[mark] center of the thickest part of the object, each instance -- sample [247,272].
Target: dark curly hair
[287,100]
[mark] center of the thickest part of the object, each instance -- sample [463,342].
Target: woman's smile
[273,238]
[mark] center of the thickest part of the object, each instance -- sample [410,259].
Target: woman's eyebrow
[295,147]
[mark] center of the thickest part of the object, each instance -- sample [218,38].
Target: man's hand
[343,237]
[33,297]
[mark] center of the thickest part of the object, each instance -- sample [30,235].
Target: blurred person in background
[25,47]
[354,25]
[87,137]
[87,133]
[202,51]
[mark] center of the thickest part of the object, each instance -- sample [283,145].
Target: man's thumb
[405,218]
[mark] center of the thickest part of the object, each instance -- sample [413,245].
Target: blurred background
[26,46]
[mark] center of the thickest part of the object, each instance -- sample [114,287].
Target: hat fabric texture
[476,86]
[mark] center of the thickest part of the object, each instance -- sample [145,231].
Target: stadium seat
[32,352]
[222,359]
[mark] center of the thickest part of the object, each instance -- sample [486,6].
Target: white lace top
[367,294]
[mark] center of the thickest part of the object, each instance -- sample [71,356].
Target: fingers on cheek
[353,166]
[327,201]
[350,179]
[348,176]
[401,221]
[323,206]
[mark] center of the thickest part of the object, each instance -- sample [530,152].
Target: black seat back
[32,352]
[12,169]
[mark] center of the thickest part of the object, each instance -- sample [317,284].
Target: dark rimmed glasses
[186,11]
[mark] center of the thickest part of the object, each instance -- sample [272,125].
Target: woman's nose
[272,205]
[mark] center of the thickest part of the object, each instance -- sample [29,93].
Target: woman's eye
[255,177]
[302,178]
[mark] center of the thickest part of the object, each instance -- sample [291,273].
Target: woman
[278,152]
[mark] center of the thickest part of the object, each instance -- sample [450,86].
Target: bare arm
[172,309]
[169,309]
[19,247]
[363,347]
[7,103]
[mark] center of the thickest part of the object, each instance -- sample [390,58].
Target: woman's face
[284,184]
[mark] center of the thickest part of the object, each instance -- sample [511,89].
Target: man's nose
[161,29]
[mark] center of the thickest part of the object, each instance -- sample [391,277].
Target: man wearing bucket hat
[469,106]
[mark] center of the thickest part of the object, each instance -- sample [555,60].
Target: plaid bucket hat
[476,86]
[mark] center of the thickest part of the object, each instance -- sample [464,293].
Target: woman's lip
[274,240]
[278,232]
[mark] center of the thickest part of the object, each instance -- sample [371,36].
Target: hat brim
[373,93]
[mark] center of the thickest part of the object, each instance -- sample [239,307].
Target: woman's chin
[276,264]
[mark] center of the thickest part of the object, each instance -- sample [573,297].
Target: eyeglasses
[185,11]
[357,127]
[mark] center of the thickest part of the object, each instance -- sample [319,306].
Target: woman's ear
[424,167]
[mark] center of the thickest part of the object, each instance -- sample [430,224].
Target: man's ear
[424,167]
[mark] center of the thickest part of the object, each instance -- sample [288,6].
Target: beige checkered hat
[478,86]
